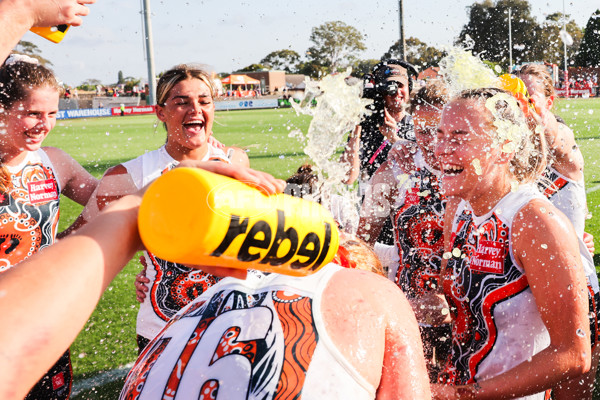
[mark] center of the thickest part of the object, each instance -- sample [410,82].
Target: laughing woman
[513,278]
[185,98]
[32,178]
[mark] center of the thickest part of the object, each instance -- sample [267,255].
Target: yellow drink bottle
[54,34]
[192,216]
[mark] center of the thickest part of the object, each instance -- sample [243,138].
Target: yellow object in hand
[54,34]
[192,216]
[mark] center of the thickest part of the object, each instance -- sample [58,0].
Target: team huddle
[470,275]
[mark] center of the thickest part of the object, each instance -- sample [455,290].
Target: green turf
[108,339]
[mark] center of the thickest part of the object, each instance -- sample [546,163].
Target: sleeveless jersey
[252,339]
[29,212]
[418,219]
[496,324]
[172,285]
[569,197]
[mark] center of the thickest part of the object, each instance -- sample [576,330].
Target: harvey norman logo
[42,191]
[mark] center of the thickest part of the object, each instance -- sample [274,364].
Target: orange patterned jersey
[29,212]
[261,338]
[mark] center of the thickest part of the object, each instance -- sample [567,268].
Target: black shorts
[57,383]
[594,301]
[437,344]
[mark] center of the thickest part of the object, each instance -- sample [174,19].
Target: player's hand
[403,154]
[262,181]
[46,13]
[141,282]
[443,392]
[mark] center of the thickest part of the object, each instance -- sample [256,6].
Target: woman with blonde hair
[518,299]
[185,105]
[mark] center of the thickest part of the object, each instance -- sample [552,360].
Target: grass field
[108,339]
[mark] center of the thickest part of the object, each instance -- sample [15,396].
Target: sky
[229,35]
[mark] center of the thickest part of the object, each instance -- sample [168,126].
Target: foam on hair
[514,133]
[541,73]
[17,80]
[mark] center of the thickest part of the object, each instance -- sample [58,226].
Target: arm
[557,281]
[392,358]
[76,183]
[375,209]
[351,155]
[17,16]
[238,156]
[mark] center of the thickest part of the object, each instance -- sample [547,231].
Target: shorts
[142,342]
[57,383]
[437,344]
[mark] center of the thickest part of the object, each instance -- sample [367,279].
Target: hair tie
[15,58]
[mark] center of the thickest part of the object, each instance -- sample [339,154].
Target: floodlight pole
[565,44]
[510,63]
[150,100]
[402,41]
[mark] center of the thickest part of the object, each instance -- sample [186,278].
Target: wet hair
[17,80]
[303,183]
[433,94]
[541,72]
[180,73]
[529,147]
[356,253]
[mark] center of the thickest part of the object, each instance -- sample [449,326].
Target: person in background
[36,331]
[563,184]
[416,206]
[340,333]
[32,179]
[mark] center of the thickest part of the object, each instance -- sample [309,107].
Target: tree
[30,49]
[286,60]
[89,84]
[253,68]
[120,78]
[487,31]
[589,51]
[550,47]
[335,45]
[361,67]
[418,53]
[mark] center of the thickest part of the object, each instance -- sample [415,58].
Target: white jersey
[569,197]
[496,324]
[172,286]
[29,212]
[252,339]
